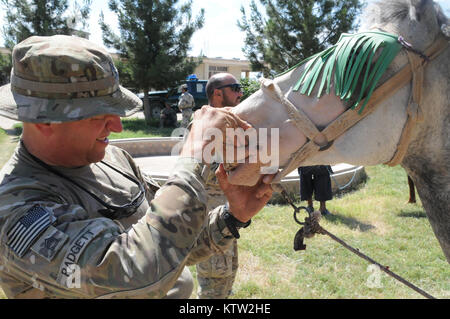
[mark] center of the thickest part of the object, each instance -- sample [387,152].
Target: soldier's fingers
[263,190]
[222,177]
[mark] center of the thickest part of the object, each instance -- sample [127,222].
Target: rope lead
[311,227]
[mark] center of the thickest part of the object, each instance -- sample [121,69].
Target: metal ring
[297,210]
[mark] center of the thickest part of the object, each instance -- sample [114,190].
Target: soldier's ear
[45,129]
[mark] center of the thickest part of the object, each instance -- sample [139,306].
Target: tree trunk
[147,108]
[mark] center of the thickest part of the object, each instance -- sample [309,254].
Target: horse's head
[418,21]
[321,100]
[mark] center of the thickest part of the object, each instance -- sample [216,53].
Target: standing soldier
[216,275]
[185,104]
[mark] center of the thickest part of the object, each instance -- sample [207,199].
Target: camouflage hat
[63,78]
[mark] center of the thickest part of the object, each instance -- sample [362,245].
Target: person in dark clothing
[168,117]
[316,179]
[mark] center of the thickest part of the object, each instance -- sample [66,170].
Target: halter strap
[300,119]
[349,118]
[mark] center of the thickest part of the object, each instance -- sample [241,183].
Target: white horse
[406,120]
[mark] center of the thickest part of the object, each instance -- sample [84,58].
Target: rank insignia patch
[49,243]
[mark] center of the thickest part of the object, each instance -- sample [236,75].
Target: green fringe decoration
[347,58]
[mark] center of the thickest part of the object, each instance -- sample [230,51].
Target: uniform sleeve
[56,247]
[182,102]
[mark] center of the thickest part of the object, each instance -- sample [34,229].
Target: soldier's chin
[96,156]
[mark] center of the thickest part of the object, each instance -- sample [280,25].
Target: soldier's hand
[245,201]
[207,139]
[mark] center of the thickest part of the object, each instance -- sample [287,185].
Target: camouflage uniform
[54,243]
[216,275]
[138,256]
[168,118]
[185,104]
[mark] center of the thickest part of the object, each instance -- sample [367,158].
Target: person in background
[168,116]
[186,104]
[315,180]
[217,274]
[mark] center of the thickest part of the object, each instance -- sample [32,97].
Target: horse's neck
[428,157]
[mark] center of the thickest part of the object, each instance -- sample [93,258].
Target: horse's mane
[350,66]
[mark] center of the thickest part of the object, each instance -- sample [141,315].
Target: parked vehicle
[158,98]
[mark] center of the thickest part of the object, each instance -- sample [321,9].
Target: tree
[249,87]
[292,30]
[25,18]
[5,68]
[154,39]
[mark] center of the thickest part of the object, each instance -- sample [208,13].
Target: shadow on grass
[414,214]
[350,222]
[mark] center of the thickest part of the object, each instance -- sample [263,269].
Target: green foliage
[25,18]
[136,127]
[248,87]
[154,38]
[291,30]
[125,74]
[5,68]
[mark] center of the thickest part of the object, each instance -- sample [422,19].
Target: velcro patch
[49,243]
[74,251]
[22,234]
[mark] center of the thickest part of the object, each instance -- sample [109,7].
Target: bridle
[322,140]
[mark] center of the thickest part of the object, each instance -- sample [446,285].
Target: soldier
[168,117]
[185,104]
[216,275]
[78,219]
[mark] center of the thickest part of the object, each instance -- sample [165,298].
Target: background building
[210,66]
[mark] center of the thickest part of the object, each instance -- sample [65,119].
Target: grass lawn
[374,219]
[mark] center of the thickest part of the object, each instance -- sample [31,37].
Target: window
[213,69]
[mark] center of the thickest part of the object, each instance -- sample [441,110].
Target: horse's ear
[443,21]
[267,83]
[417,8]
[445,28]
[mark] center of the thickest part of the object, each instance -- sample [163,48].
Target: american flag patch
[27,228]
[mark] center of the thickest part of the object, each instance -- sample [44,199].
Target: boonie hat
[63,78]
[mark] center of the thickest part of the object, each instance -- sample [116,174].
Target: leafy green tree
[125,74]
[25,18]
[249,87]
[5,68]
[154,39]
[292,30]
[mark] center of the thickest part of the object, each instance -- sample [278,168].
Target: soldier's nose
[114,124]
